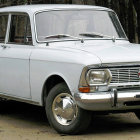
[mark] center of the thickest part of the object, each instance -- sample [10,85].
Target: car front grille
[125,75]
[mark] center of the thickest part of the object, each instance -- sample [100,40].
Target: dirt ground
[19,121]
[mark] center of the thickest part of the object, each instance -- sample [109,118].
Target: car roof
[43,7]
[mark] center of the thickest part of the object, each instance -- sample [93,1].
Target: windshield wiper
[95,34]
[64,36]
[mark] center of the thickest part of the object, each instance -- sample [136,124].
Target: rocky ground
[19,121]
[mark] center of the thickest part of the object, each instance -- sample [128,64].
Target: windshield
[77,23]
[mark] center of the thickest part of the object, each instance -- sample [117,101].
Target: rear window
[3,27]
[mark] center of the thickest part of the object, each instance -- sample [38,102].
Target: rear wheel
[63,113]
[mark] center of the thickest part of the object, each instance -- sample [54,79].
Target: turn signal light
[84,89]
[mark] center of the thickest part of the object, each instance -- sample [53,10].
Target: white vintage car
[71,59]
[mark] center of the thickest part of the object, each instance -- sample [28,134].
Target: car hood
[112,52]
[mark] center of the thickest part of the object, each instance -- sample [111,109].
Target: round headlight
[98,77]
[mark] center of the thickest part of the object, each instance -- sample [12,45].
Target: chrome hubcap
[64,109]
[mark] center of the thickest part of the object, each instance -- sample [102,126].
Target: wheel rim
[64,109]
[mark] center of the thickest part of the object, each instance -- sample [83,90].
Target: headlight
[98,77]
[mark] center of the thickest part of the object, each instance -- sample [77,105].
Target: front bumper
[107,101]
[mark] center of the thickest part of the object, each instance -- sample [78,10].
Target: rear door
[14,57]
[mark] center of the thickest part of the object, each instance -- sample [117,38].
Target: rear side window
[20,30]
[3,27]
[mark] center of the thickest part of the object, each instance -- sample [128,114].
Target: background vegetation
[127,10]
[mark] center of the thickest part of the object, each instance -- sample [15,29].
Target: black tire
[137,113]
[81,121]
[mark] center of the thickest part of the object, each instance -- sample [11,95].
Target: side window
[20,30]
[3,27]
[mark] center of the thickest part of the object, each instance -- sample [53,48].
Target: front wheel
[63,113]
[137,113]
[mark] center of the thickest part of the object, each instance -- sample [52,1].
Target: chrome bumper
[107,101]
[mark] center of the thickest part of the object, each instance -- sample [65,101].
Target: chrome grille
[125,75]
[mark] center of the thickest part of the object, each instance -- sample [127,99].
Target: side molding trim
[8,97]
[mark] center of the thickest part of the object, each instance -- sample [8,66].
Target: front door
[15,57]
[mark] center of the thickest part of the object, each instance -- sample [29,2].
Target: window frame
[2,14]
[56,40]
[9,28]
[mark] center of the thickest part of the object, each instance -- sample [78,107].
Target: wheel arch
[50,82]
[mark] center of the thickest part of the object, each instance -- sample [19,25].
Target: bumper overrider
[107,101]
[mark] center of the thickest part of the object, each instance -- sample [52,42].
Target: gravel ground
[19,121]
